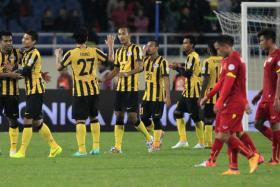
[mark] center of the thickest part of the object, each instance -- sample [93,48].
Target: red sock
[276,145]
[216,148]
[232,156]
[235,143]
[246,139]
[267,132]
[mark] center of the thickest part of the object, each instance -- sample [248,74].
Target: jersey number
[84,62]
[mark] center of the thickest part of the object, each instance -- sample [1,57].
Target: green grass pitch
[135,167]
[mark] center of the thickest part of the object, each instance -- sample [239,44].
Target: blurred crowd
[108,15]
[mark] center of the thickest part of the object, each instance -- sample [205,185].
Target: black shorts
[151,109]
[34,106]
[10,106]
[190,106]
[84,107]
[127,102]
[208,111]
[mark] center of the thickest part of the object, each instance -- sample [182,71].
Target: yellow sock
[95,132]
[13,134]
[157,134]
[151,127]
[81,137]
[119,131]
[208,135]
[181,126]
[141,128]
[199,129]
[26,137]
[47,135]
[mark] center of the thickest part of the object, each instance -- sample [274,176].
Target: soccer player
[34,88]
[10,58]
[157,91]
[269,106]
[210,74]
[231,103]
[84,62]
[127,65]
[189,100]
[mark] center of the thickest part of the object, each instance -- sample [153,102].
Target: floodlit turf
[135,167]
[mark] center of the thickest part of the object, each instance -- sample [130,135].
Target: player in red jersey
[269,106]
[231,104]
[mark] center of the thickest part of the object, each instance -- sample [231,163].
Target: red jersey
[236,99]
[271,68]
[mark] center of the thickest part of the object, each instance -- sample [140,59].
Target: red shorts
[229,122]
[265,111]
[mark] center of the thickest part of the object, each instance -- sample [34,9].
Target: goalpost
[244,27]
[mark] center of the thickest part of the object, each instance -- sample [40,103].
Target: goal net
[244,27]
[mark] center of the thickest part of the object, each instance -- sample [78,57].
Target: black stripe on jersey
[3,59]
[94,88]
[189,87]
[101,54]
[151,92]
[165,73]
[148,65]
[117,58]
[81,87]
[16,59]
[41,84]
[65,58]
[132,67]
[8,87]
[88,88]
[121,53]
[125,83]
[15,86]
[138,54]
[28,58]
[206,68]
[193,62]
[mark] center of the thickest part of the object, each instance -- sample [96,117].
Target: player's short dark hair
[34,35]
[5,33]
[191,38]
[268,34]
[155,41]
[212,49]
[81,35]
[225,39]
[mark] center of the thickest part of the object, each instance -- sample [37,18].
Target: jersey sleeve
[205,68]
[232,66]
[102,57]
[277,66]
[138,55]
[116,60]
[165,68]
[66,60]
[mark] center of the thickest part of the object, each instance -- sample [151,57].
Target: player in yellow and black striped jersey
[128,63]
[9,91]
[157,91]
[188,102]
[34,87]
[84,62]
[210,74]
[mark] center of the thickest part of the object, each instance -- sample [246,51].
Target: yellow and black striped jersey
[126,60]
[211,67]
[155,70]
[34,83]
[9,86]
[84,63]
[192,84]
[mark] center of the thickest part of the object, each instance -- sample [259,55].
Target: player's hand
[203,101]
[14,75]
[58,52]
[9,67]
[173,65]
[167,101]
[276,105]
[47,78]
[248,109]
[256,99]
[110,41]
[123,74]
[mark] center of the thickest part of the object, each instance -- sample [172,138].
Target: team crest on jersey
[269,59]
[30,62]
[231,67]
[129,53]
[189,65]
[155,65]
[12,58]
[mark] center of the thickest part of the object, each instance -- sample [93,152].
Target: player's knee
[208,121]
[157,123]
[177,114]
[37,123]
[195,118]
[258,125]
[13,123]
[133,122]
[119,120]
[147,122]
[93,120]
